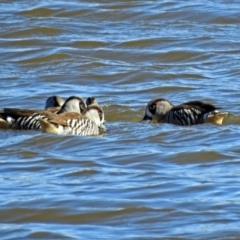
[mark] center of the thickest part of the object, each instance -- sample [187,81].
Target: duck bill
[146,119]
[103,128]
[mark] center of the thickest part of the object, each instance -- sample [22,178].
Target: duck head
[96,114]
[73,104]
[54,101]
[156,109]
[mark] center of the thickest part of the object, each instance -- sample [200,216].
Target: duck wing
[196,105]
[63,118]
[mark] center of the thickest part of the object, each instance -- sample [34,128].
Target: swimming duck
[53,104]
[28,119]
[89,123]
[189,113]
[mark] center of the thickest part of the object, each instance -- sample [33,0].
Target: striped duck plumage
[29,119]
[53,104]
[9,115]
[189,113]
[89,123]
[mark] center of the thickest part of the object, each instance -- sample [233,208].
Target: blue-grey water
[155,181]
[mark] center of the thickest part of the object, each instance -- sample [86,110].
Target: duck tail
[48,127]
[216,117]
[4,124]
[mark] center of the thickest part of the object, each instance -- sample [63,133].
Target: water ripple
[137,181]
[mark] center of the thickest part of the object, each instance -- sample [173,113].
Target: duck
[29,119]
[89,123]
[53,104]
[188,113]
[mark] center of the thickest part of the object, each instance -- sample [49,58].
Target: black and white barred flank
[30,123]
[82,127]
[185,117]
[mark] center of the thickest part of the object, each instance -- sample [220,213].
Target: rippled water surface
[155,181]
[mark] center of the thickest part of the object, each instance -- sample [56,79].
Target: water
[156,181]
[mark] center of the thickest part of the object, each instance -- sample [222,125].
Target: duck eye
[152,107]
